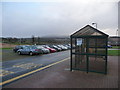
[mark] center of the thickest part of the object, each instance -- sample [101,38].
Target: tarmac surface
[14,68]
[59,76]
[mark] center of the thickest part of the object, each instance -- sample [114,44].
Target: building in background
[114,40]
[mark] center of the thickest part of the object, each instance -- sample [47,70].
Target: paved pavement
[59,76]
[14,68]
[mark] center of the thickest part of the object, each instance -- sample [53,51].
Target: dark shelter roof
[89,31]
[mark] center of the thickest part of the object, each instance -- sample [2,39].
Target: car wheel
[30,53]
[19,53]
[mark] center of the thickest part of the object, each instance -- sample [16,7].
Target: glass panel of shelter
[79,59]
[85,54]
[97,51]
[73,45]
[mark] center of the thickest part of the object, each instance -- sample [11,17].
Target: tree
[38,40]
[33,39]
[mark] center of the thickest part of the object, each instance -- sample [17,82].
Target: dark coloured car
[16,48]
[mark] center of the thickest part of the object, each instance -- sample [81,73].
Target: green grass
[7,48]
[113,52]
[8,54]
[115,47]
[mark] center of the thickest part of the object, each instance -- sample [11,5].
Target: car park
[31,50]
[39,49]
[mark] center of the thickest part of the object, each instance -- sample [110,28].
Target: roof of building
[89,31]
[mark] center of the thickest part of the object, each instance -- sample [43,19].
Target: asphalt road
[14,68]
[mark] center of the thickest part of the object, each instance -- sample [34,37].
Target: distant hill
[37,40]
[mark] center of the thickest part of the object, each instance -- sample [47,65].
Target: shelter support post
[106,56]
[87,56]
[71,54]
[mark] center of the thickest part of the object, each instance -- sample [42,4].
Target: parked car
[16,48]
[109,46]
[68,46]
[55,47]
[62,47]
[31,50]
[52,50]
[44,50]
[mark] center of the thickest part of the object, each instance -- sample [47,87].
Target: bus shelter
[89,50]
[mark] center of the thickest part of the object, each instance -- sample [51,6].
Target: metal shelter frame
[89,50]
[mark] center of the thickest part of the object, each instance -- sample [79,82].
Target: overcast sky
[57,17]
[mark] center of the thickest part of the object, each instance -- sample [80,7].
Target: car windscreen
[31,47]
[55,46]
[40,47]
[47,46]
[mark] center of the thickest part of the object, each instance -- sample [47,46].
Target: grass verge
[113,52]
[116,47]
[7,48]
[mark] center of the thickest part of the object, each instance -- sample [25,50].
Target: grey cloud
[60,19]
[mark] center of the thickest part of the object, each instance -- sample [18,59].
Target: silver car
[31,50]
[62,47]
[44,50]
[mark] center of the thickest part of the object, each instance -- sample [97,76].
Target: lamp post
[116,35]
[95,41]
[95,24]
[117,32]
